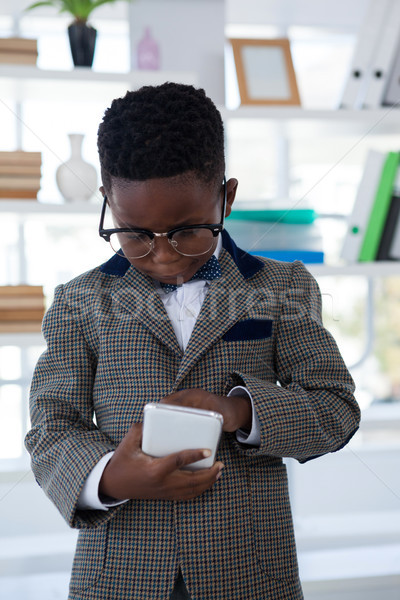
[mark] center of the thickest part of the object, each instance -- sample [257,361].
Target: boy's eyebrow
[175,226]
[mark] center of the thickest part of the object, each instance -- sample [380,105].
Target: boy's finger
[135,435]
[193,483]
[177,460]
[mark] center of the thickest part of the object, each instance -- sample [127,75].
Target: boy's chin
[174,276]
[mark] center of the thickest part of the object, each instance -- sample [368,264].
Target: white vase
[76,179]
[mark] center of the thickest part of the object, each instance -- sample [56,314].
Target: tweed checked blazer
[111,349]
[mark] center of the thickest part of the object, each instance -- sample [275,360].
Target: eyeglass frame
[215,228]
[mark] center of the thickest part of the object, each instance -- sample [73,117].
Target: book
[23,314]
[24,170]
[20,157]
[18,194]
[19,182]
[259,236]
[18,44]
[394,250]
[20,326]
[383,58]
[21,290]
[380,208]
[366,43]
[305,256]
[391,94]
[17,58]
[288,215]
[391,236]
[389,231]
[365,196]
[21,302]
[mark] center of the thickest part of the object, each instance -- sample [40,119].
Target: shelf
[22,82]
[368,269]
[328,121]
[33,207]
[21,339]
[382,416]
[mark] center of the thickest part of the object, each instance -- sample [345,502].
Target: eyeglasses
[189,240]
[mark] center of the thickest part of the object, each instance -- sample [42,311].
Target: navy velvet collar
[247,264]
[117,265]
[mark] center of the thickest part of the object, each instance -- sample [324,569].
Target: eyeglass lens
[189,242]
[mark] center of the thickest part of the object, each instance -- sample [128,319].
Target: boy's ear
[102,191]
[231,189]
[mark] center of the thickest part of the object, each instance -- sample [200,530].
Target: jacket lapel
[134,293]
[227,300]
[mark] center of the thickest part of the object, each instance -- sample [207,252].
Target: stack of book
[20,51]
[20,174]
[373,231]
[281,232]
[21,308]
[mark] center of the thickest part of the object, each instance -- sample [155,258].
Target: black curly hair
[161,131]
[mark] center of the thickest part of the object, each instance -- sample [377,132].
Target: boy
[247,342]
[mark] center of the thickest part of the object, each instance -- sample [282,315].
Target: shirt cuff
[89,498]
[252,438]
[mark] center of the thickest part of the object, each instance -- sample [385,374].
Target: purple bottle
[148,52]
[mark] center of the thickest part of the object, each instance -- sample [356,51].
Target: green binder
[380,208]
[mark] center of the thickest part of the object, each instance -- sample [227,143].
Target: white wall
[310,13]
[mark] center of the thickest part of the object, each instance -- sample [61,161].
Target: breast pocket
[249,329]
[247,347]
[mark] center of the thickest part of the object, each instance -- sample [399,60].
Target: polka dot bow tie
[209,271]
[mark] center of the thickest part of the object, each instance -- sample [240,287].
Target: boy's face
[160,205]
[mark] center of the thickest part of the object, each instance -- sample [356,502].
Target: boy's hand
[236,410]
[131,474]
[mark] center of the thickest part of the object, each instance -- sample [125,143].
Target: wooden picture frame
[265,72]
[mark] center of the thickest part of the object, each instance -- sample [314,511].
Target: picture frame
[265,72]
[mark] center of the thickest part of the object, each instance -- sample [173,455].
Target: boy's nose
[163,249]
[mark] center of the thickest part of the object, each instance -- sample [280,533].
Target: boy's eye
[135,236]
[185,233]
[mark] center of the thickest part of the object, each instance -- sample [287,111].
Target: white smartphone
[168,428]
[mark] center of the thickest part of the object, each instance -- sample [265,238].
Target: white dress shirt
[183,307]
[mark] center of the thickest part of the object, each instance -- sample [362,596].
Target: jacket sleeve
[64,442]
[311,409]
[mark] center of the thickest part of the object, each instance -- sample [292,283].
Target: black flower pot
[82,39]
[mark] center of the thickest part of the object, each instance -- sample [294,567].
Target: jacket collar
[117,265]
[247,264]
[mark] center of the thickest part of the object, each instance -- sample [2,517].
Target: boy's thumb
[135,435]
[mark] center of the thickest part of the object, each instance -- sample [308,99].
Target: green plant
[79,9]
